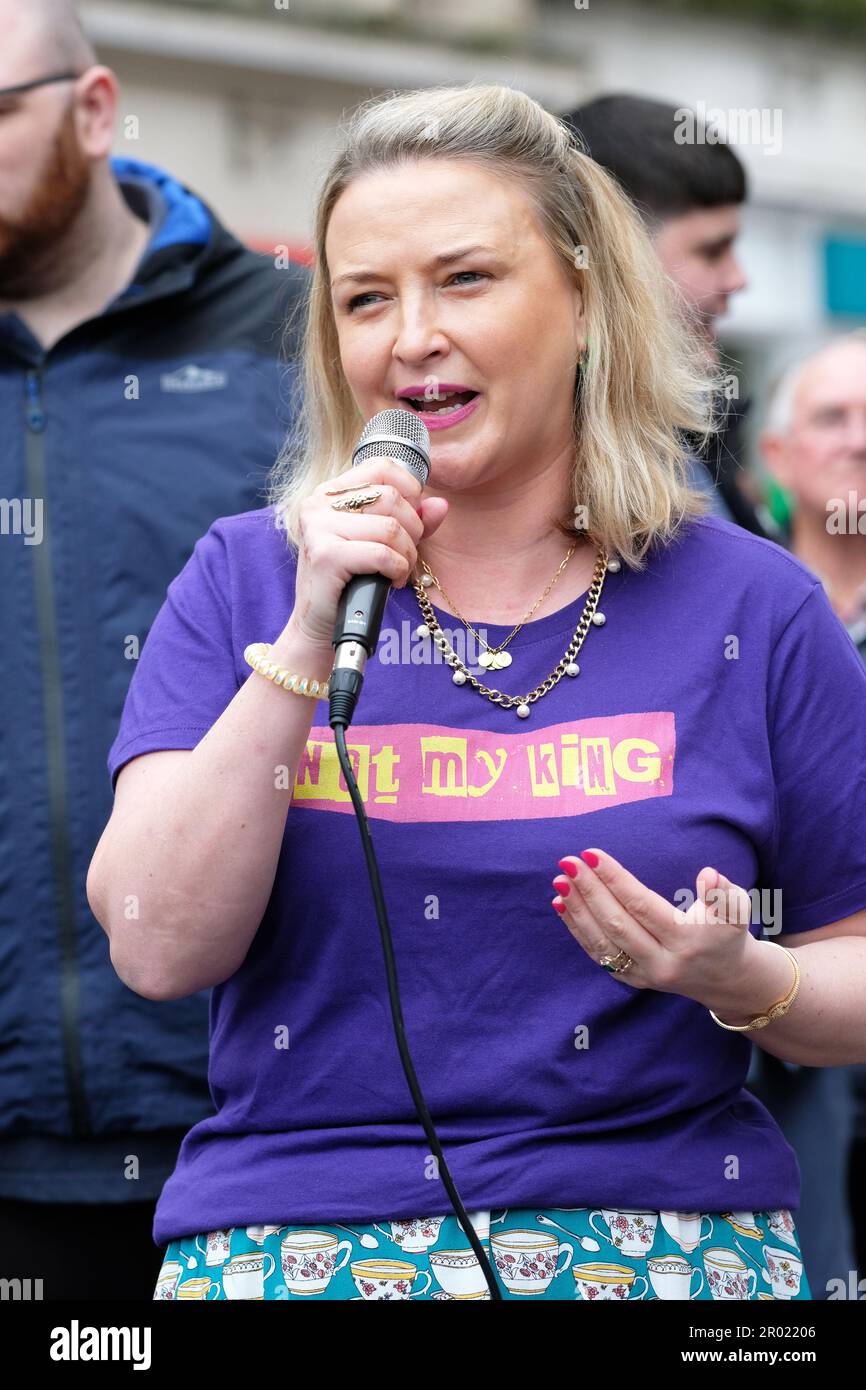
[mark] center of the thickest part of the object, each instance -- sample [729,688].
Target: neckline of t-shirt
[564,620]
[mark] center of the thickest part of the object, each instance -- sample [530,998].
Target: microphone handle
[361,609]
[356,632]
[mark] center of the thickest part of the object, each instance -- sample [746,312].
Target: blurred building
[242,100]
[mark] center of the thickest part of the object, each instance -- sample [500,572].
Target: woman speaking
[581,679]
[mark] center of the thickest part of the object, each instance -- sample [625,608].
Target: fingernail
[570,868]
[589,858]
[562,886]
[558,904]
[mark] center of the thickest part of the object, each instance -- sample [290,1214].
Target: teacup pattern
[607,1281]
[728,1276]
[577,1253]
[383,1280]
[414,1235]
[309,1260]
[528,1261]
[629,1232]
[785,1272]
[781,1225]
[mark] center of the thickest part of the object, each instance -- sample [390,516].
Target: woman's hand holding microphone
[337,545]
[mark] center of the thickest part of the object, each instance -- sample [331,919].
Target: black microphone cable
[400,435]
[397,1012]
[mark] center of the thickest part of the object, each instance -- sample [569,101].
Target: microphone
[400,435]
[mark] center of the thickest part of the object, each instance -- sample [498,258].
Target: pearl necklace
[431,629]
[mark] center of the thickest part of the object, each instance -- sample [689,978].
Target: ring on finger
[598,951]
[356,502]
[618,964]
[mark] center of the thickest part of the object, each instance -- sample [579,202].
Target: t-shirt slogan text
[425,772]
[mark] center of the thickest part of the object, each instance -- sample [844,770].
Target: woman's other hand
[693,953]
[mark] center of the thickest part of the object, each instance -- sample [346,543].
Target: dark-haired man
[689,193]
[140,398]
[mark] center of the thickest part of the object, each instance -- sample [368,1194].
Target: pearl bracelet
[256,655]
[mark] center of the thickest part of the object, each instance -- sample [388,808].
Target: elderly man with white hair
[814,444]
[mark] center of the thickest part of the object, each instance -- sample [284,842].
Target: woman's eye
[357,301]
[477,273]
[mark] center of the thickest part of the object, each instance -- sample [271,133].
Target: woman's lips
[436,420]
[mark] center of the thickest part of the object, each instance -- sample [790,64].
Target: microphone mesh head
[396,434]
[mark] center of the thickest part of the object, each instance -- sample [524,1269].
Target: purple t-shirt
[719,718]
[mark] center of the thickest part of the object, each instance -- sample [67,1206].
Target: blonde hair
[645,380]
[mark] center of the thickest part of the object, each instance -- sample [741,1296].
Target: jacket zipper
[55,742]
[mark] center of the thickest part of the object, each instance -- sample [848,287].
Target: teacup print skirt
[559,1253]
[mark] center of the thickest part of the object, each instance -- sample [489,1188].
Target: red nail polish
[562,886]
[558,905]
[571,869]
[589,858]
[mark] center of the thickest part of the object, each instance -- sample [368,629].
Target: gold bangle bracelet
[256,655]
[776,1010]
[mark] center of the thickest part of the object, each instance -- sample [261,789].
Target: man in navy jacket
[142,395]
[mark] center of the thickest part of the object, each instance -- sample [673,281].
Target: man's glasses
[39,82]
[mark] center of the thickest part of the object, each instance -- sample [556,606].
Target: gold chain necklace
[566,667]
[493,658]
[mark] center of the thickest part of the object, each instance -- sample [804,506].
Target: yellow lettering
[447,770]
[387,785]
[645,769]
[320,777]
[597,766]
[495,773]
[570,760]
[544,777]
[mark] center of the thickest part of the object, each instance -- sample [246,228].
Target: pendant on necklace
[494,661]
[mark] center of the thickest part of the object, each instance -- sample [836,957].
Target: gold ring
[618,964]
[356,502]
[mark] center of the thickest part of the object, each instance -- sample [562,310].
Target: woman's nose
[418,337]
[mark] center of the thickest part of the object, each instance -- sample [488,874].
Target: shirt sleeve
[185,677]
[817,730]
